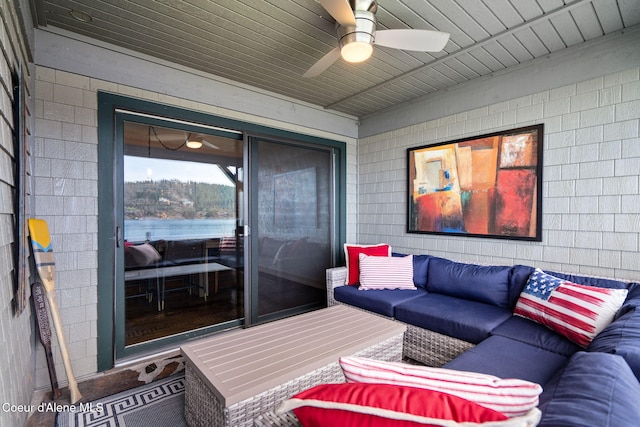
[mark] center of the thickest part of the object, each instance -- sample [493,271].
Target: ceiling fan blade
[341,11]
[324,63]
[210,145]
[420,40]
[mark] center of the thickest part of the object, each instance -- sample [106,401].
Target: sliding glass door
[292,227]
[202,227]
[180,217]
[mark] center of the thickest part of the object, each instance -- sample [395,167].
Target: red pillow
[352,256]
[383,405]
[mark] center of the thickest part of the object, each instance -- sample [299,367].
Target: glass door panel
[180,225]
[292,227]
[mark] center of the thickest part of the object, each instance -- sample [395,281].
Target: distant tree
[177,199]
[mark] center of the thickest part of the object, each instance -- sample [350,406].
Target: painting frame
[486,186]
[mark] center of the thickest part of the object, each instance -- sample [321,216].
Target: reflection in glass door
[292,227]
[182,195]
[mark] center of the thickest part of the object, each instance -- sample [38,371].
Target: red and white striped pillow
[228,244]
[377,272]
[577,312]
[512,397]
[384,405]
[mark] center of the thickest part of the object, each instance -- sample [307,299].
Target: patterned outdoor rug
[159,404]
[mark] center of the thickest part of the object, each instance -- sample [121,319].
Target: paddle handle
[46,275]
[55,391]
[57,324]
[42,319]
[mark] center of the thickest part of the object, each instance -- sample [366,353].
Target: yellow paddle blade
[39,232]
[42,251]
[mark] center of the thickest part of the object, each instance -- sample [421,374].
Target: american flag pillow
[511,396]
[378,272]
[577,312]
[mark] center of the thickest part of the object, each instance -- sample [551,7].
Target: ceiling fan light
[80,16]
[356,51]
[195,144]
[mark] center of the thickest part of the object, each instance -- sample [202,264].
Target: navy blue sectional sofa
[461,317]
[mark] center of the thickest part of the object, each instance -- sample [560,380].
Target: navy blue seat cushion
[594,389]
[420,266]
[507,358]
[524,330]
[487,284]
[469,321]
[381,301]
[622,337]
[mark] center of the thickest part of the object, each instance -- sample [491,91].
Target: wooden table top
[242,363]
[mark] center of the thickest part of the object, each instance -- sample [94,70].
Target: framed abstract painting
[483,186]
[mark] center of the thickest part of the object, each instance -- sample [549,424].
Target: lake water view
[135,230]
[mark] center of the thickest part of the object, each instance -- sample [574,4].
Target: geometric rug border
[110,410]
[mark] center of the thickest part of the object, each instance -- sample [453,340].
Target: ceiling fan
[356,31]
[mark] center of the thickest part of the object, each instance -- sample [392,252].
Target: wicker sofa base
[202,407]
[432,348]
[271,419]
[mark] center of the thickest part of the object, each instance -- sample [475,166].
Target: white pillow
[378,272]
[513,397]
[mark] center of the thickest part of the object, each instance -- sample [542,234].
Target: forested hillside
[173,199]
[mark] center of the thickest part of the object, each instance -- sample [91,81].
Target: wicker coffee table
[234,377]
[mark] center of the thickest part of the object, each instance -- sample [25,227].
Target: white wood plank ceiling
[269,44]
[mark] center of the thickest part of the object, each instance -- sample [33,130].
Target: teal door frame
[112,111]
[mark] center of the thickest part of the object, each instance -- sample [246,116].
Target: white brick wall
[591,189]
[65,147]
[66,186]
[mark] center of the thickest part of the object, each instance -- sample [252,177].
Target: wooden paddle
[42,319]
[45,264]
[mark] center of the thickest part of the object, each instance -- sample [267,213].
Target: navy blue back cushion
[420,267]
[622,337]
[518,278]
[591,281]
[594,389]
[488,284]
[633,297]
